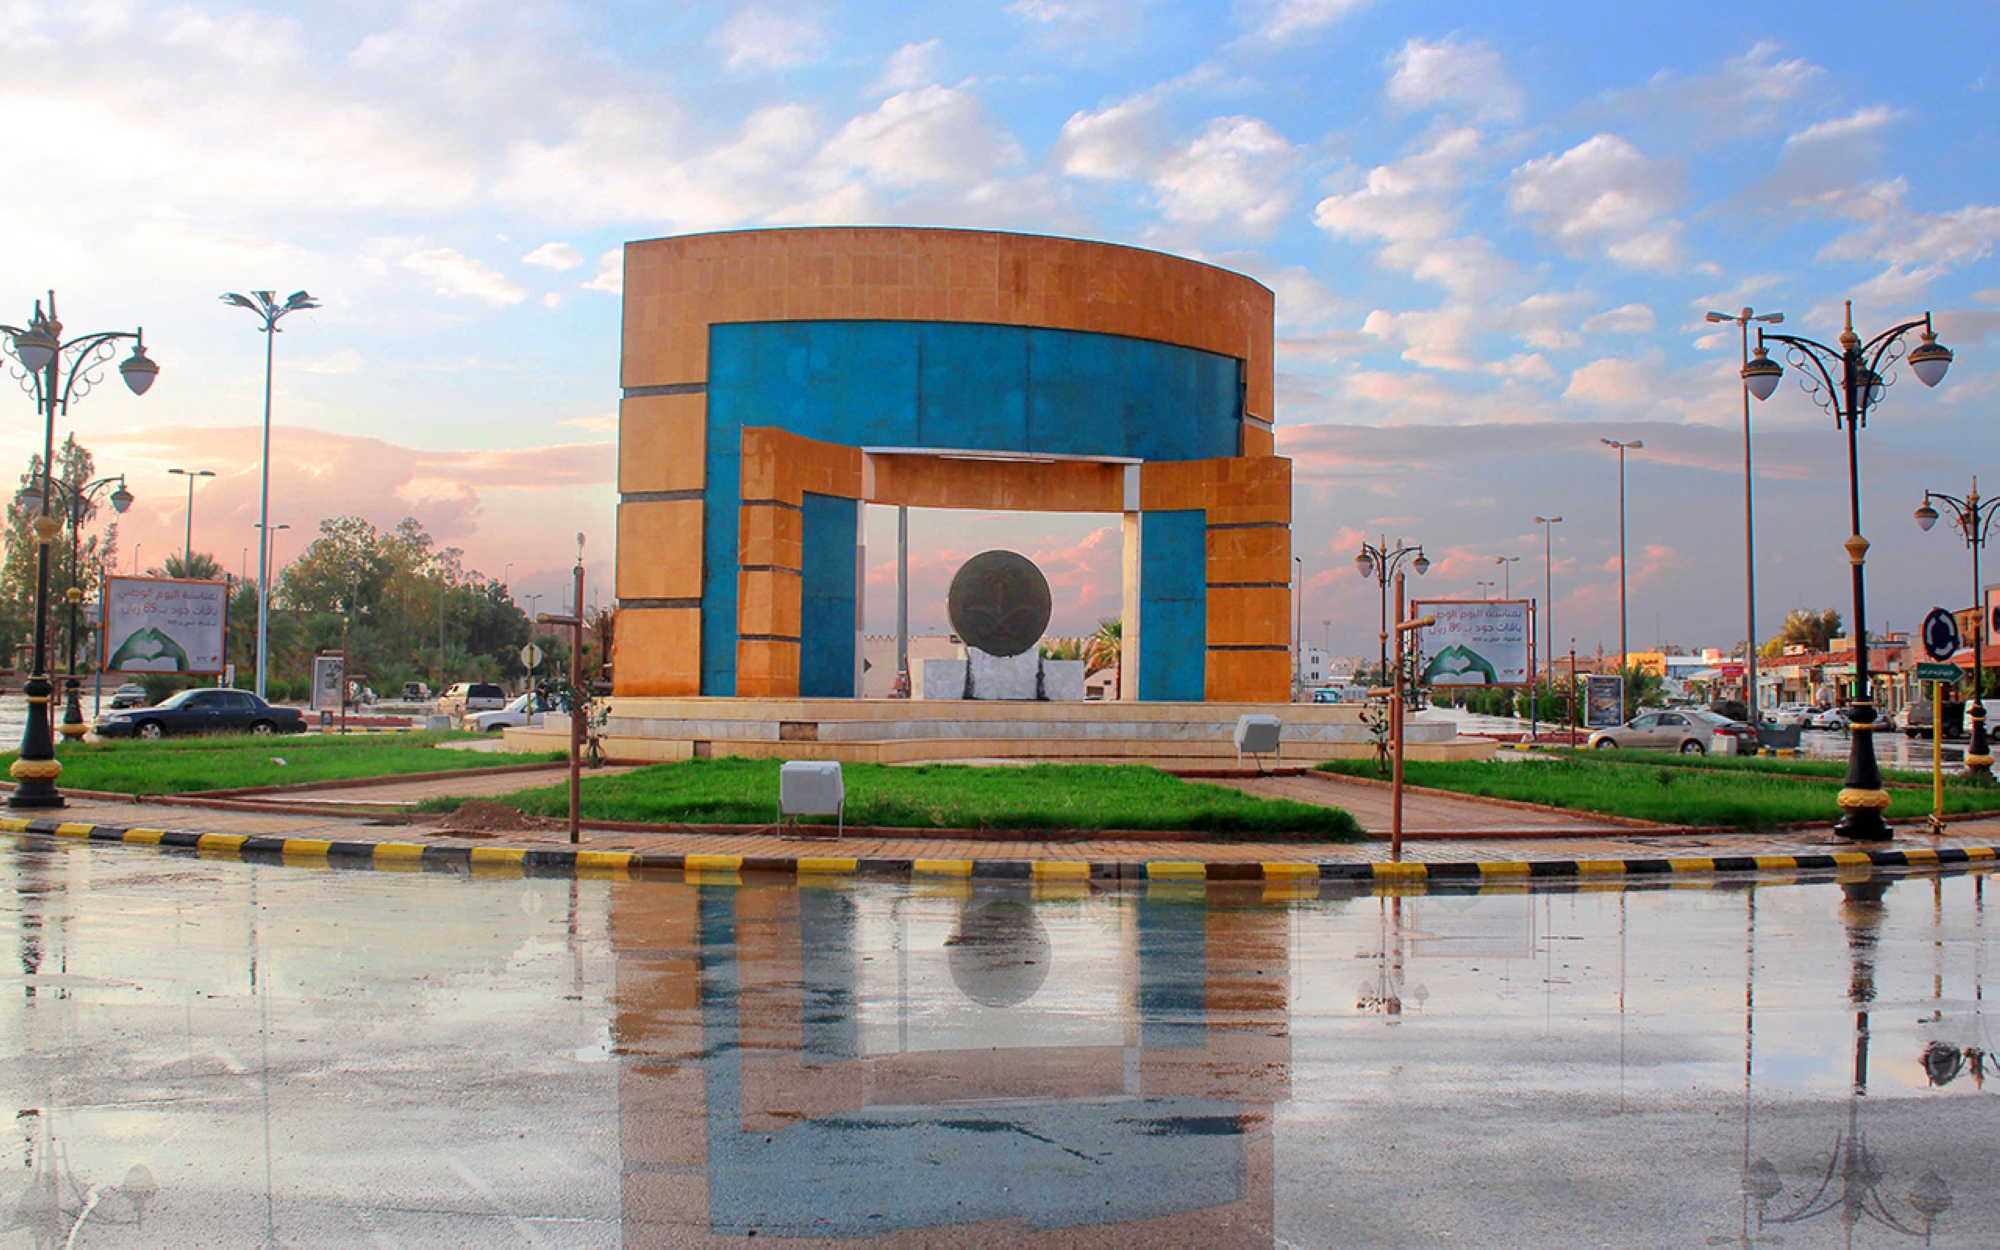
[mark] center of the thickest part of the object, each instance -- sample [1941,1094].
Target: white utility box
[811,788]
[1257,733]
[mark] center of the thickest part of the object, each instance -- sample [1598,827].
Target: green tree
[77,556]
[1809,629]
[196,566]
[1105,649]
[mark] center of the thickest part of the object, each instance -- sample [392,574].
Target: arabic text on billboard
[158,626]
[1475,643]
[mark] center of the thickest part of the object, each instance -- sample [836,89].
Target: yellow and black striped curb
[553,861]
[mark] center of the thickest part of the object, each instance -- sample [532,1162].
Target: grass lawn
[1674,790]
[1054,797]
[180,765]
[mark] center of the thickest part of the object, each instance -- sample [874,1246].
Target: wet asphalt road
[219,1053]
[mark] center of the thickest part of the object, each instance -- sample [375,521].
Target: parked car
[522,710]
[471,696]
[1915,720]
[1834,718]
[1691,731]
[1791,713]
[205,710]
[416,692]
[1731,709]
[131,694]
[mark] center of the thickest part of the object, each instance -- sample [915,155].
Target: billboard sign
[158,625]
[1476,642]
[1603,700]
[329,682]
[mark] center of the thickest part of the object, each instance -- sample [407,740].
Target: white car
[522,710]
[1789,714]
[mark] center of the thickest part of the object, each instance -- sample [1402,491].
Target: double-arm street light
[79,501]
[1974,518]
[1380,561]
[187,545]
[57,372]
[1847,381]
[1743,321]
[1624,650]
[1507,564]
[269,311]
[1548,524]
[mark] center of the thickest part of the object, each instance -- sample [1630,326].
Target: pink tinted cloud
[522,506]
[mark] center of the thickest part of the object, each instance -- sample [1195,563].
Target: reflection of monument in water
[953,1062]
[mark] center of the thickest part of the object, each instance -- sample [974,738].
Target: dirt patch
[478,816]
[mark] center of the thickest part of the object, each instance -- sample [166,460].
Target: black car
[203,711]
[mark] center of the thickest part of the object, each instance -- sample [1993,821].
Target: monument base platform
[907,731]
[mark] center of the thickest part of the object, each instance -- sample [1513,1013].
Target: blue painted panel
[1173,606]
[977,387]
[973,390]
[827,607]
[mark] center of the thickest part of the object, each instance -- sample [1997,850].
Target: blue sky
[1492,233]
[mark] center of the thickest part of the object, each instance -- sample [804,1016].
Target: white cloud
[932,135]
[1624,319]
[1613,382]
[554,256]
[758,38]
[1408,208]
[1113,142]
[1285,19]
[453,274]
[610,276]
[1745,96]
[1237,171]
[912,65]
[1603,195]
[1449,73]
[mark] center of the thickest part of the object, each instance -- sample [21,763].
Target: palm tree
[1104,649]
[197,567]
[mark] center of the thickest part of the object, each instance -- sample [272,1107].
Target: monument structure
[777,380]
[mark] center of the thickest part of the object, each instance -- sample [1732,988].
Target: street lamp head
[30,497]
[121,499]
[1871,386]
[1927,516]
[1761,373]
[1930,359]
[1714,317]
[137,369]
[36,346]
[1364,564]
[1422,564]
[298,300]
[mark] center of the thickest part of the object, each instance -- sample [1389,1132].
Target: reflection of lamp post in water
[1858,1170]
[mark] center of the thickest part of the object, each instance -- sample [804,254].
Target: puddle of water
[227,1053]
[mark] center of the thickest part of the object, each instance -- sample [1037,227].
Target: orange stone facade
[675,533]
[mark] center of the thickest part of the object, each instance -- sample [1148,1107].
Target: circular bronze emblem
[999,602]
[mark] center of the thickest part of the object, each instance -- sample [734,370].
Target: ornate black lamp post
[1847,382]
[1379,561]
[78,502]
[1974,518]
[56,372]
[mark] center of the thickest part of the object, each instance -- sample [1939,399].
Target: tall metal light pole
[187,545]
[1485,589]
[1548,524]
[1974,518]
[1743,320]
[1380,561]
[269,311]
[57,372]
[267,538]
[1507,564]
[1847,381]
[1624,649]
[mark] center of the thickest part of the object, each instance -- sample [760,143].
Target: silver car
[1689,731]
